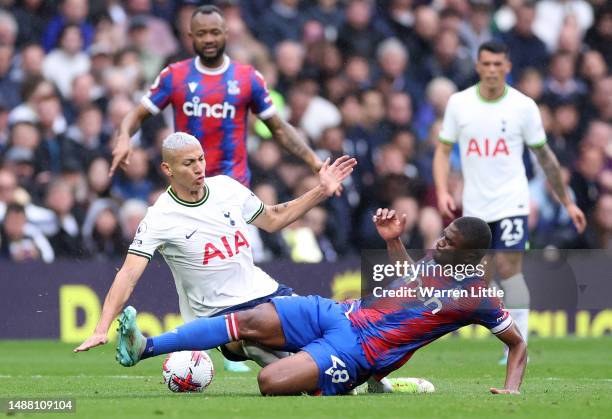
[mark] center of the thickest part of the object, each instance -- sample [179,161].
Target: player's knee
[268,385]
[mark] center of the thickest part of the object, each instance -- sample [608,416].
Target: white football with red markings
[188,371]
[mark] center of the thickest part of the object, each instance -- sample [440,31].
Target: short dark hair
[15,207]
[475,234]
[530,4]
[67,27]
[207,9]
[449,12]
[495,47]
[30,84]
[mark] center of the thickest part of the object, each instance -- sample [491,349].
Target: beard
[210,60]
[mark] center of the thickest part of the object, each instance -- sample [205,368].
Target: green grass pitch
[565,378]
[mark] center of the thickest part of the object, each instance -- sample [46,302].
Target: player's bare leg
[262,317]
[293,375]
[509,267]
[261,325]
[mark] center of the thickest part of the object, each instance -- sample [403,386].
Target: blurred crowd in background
[367,78]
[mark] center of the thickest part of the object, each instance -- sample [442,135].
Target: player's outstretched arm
[118,294]
[288,137]
[390,227]
[122,148]
[552,169]
[277,217]
[441,168]
[517,359]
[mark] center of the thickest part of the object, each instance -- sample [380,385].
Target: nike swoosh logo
[188,236]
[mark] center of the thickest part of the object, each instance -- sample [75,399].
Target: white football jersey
[491,137]
[206,246]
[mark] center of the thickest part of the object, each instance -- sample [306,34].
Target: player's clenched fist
[388,224]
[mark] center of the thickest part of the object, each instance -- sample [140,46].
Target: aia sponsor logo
[229,246]
[487,148]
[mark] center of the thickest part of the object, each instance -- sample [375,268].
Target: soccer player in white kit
[200,227]
[492,122]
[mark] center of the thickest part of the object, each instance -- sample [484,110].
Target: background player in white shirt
[492,122]
[199,226]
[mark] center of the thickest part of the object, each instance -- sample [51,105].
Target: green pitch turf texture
[565,378]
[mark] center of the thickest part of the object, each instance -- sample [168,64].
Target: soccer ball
[188,371]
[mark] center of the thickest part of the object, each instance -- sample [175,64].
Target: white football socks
[516,300]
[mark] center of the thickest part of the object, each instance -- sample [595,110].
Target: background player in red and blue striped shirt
[211,96]
[341,345]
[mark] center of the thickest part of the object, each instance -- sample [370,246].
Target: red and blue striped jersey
[391,329]
[213,105]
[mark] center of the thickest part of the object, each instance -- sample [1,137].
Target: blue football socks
[200,334]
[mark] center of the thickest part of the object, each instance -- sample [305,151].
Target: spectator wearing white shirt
[63,64]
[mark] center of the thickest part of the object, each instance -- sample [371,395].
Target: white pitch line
[573,379]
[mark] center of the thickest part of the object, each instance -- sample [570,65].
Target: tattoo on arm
[277,208]
[552,169]
[289,138]
[294,142]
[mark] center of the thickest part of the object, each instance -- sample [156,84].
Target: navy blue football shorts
[510,233]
